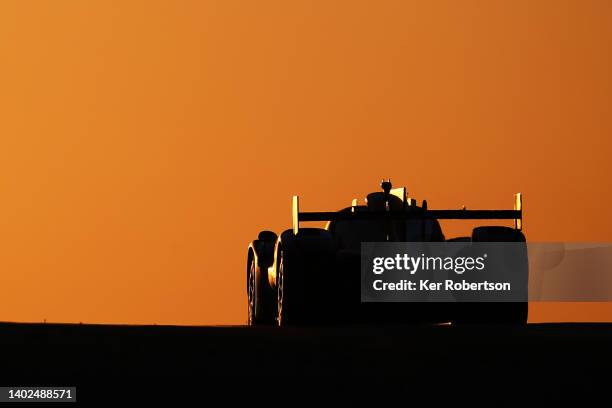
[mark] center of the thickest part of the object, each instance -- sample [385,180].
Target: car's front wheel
[259,304]
[251,293]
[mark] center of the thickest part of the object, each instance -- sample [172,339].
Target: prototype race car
[312,275]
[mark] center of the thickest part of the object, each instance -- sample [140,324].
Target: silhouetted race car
[312,275]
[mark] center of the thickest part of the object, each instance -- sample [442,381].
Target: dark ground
[550,362]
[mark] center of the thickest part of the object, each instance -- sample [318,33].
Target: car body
[312,275]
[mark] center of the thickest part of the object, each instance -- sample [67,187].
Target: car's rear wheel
[303,266]
[286,304]
[281,317]
[292,308]
[514,313]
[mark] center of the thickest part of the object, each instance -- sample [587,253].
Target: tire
[511,313]
[259,295]
[283,316]
[290,289]
[303,263]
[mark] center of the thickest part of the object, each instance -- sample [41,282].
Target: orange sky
[144,143]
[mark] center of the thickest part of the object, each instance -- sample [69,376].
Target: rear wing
[411,211]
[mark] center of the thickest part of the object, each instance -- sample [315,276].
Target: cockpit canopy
[349,234]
